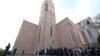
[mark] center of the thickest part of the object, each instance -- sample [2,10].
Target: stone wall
[67,35]
[26,38]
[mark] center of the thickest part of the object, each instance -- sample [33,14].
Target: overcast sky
[13,12]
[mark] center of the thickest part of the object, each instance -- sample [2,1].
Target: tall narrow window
[51,31]
[46,7]
[53,42]
[39,34]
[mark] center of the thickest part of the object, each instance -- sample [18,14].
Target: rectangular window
[39,34]
[53,42]
[51,31]
[46,7]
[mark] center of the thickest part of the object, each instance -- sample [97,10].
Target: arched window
[46,7]
[88,22]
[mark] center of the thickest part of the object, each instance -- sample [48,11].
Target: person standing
[6,50]
[14,51]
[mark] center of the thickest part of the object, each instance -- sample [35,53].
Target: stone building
[88,31]
[47,34]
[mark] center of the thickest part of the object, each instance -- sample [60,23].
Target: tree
[97,22]
[1,52]
[97,18]
[98,38]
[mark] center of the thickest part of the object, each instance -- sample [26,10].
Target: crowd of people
[90,51]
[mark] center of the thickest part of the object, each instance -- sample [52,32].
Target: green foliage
[98,38]
[1,52]
[97,18]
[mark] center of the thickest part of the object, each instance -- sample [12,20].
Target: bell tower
[32,38]
[47,24]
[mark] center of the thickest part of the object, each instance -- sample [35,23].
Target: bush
[98,38]
[1,52]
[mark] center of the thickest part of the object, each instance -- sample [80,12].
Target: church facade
[47,34]
[88,31]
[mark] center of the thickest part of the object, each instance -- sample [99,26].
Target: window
[39,34]
[51,31]
[53,41]
[46,7]
[88,22]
